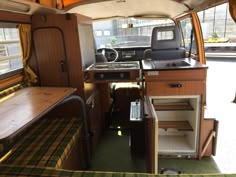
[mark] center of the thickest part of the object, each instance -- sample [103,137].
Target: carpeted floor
[113,154]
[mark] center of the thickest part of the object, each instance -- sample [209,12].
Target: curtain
[232,9]
[30,77]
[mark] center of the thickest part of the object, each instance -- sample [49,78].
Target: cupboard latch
[63,65]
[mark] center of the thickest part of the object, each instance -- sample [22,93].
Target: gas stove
[113,72]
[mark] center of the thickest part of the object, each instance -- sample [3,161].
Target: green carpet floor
[205,166]
[113,154]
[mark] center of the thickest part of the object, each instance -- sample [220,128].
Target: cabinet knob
[175,85]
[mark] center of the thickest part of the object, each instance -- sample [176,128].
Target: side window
[188,35]
[10,51]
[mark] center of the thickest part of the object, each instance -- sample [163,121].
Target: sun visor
[232,9]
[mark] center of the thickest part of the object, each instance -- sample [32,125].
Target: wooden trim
[14,17]
[151,136]
[180,75]
[179,125]
[209,139]
[11,81]
[172,107]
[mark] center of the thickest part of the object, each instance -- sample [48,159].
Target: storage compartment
[178,124]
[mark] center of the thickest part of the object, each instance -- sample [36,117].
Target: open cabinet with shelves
[178,124]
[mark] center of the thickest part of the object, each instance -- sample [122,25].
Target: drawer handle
[175,85]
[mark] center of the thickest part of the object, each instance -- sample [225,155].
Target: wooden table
[20,109]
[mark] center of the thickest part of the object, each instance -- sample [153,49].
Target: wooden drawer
[176,88]
[180,75]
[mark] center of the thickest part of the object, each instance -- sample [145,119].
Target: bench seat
[48,142]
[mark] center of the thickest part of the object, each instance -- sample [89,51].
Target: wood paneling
[151,138]
[51,57]
[10,81]
[206,127]
[172,75]
[68,24]
[14,17]
[95,122]
[187,88]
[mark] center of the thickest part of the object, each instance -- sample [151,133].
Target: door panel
[51,62]
[151,136]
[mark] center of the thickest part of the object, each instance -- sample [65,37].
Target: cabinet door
[95,122]
[151,137]
[51,57]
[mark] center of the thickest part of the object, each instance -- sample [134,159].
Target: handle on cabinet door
[63,65]
[175,85]
[91,105]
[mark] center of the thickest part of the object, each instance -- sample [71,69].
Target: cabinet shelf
[179,125]
[160,107]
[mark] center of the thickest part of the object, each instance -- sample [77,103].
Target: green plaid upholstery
[23,171]
[12,89]
[48,142]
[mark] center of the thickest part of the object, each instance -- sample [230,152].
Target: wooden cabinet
[176,88]
[176,75]
[61,51]
[184,86]
[95,120]
[64,47]
[176,82]
[52,62]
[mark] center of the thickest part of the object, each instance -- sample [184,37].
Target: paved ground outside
[221,89]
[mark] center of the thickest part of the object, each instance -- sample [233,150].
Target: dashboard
[124,54]
[131,54]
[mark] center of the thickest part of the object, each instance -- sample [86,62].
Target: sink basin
[170,64]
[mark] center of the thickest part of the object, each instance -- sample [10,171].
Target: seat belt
[191,42]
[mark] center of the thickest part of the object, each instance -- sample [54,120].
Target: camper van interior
[105,87]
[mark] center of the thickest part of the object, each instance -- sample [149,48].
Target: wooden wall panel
[51,57]
[171,75]
[69,25]
[14,17]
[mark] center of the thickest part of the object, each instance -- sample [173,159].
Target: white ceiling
[139,8]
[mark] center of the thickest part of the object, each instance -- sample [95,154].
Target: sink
[170,64]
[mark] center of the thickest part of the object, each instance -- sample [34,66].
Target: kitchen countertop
[177,64]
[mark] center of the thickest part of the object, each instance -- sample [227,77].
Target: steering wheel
[108,54]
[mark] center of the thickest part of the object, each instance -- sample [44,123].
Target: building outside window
[10,52]
[217,24]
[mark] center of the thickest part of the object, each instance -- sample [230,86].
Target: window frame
[183,43]
[200,57]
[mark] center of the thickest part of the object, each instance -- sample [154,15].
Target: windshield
[126,32]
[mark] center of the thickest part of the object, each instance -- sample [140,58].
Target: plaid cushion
[48,142]
[9,170]
[12,89]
